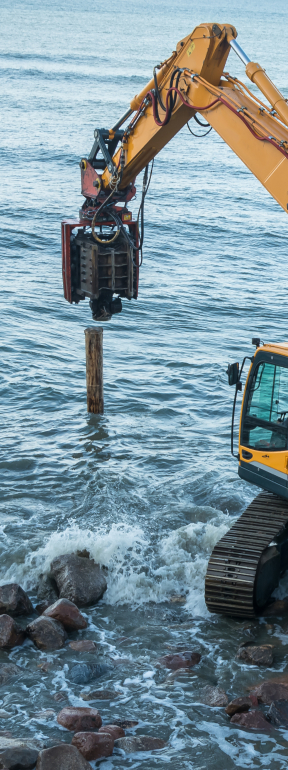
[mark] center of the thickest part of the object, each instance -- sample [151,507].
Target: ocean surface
[149,487]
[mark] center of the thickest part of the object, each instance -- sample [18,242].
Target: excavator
[102,254]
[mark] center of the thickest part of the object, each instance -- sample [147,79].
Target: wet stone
[94,745]
[46,593]
[100,695]
[7,671]
[278,713]
[79,579]
[47,633]
[214,696]
[277,609]
[267,692]
[83,645]
[82,673]
[14,601]
[127,724]
[79,719]
[132,743]
[22,758]
[180,660]
[252,720]
[60,696]
[67,613]
[62,757]
[259,656]
[238,705]
[114,730]
[11,635]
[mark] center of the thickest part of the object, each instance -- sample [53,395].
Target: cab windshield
[265,423]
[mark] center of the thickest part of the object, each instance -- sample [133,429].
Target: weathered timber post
[94,369]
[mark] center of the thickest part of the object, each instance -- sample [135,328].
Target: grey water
[149,487]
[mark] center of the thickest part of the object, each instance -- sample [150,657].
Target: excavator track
[234,571]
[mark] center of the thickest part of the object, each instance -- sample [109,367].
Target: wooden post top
[94,330]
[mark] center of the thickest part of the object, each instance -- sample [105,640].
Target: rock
[18,758]
[60,696]
[100,695]
[7,671]
[46,633]
[14,601]
[94,745]
[62,757]
[278,608]
[67,613]
[127,724]
[46,593]
[259,656]
[214,696]
[180,660]
[267,692]
[78,579]
[11,635]
[139,743]
[82,673]
[79,719]
[252,720]
[84,645]
[114,730]
[278,713]
[43,715]
[238,705]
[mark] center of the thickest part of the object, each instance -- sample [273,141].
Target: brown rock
[214,696]
[114,730]
[79,719]
[62,757]
[46,633]
[7,671]
[267,692]
[78,579]
[180,660]
[94,745]
[238,705]
[100,695]
[10,634]
[139,743]
[14,601]
[252,720]
[83,645]
[259,656]
[127,724]
[67,613]
[278,608]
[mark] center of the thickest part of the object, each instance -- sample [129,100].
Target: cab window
[265,422]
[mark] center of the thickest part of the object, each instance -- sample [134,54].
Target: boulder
[180,660]
[67,613]
[82,673]
[47,634]
[214,696]
[277,608]
[7,671]
[238,705]
[252,720]
[133,743]
[78,579]
[94,745]
[83,645]
[46,593]
[21,758]
[259,656]
[79,719]
[14,601]
[100,695]
[278,713]
[62,757]
[267,692]
[11,635]
[114,730]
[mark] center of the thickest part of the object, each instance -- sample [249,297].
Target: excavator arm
[103,258]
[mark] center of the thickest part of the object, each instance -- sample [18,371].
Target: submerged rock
[7,671]
[278,713]
[79,719]
[46,633]
[79,579]
[277,608]
[62,757]
[214,696]
[14,601]
[94,745]
[100,695]
[133,743]
[252,720]
[180,660]
[127,724]
[238,705]
[83,645]
[259,656]
[114,730]
[67,613]
[267,692]
[11,635]
[82,673]
[21,758]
